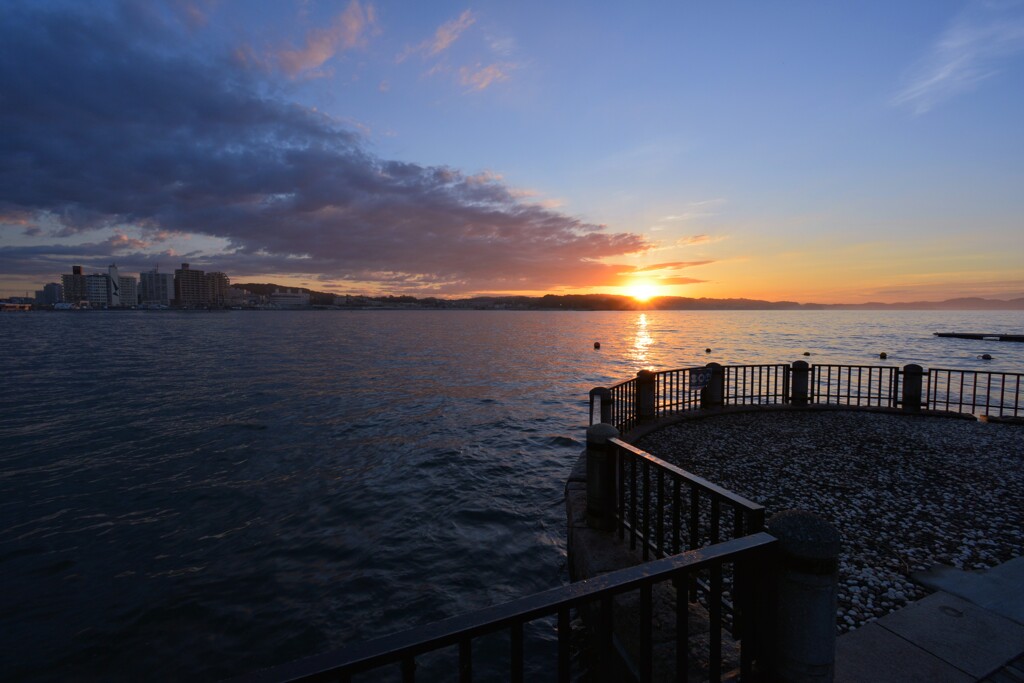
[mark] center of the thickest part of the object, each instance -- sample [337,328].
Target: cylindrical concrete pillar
[713,395]
[646,395]
[913,375]
[601,476]
[807,583]
[800,389]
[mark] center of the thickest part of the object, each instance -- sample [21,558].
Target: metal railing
[855,385]
[968,391]
[456,636]
[756,384]
[673,392]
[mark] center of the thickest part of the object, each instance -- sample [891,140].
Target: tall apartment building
[189,287]
[156,288]
[74,285]
[97,289]
[113,286]
[129,290]
[218,287]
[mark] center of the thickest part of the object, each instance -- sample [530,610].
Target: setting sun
[642,291]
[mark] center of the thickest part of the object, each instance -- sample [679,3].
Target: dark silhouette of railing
[741,556]
[651,395]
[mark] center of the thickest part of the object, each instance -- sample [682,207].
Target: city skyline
[804,153]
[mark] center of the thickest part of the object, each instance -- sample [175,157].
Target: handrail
[667,393]
[699,482]
[403,647]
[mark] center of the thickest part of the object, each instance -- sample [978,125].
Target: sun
[642,291]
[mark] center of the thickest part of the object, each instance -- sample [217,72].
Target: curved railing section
[652,395]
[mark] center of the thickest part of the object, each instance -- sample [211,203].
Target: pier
[982,336]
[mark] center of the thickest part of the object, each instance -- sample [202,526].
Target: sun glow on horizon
[643,290]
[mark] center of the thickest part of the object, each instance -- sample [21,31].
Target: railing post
[804,634]
[912,376]
[801,383]
[605,404]
[601,476]
[646,388]
[713,395]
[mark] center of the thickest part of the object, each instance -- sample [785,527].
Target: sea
[198,495]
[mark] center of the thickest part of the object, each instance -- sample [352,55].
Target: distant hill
[615,302]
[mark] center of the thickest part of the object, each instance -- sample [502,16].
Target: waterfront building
[74,285]
[242,297]
[113,286]
[156,288]
[129,290]
[50,294]
[97,290]
[216,286]
[289,298]
[189,287]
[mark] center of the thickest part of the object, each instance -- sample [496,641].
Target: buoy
[985,356]
[807,353]
[883,354]
[597,345]
[707,350]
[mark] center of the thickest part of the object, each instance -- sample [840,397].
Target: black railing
[756,384]
[673,392]
[456,636]
[970,391]
[855,385]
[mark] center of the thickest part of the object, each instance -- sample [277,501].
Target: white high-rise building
[114,300]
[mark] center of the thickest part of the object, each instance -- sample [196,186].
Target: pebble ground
[906,492]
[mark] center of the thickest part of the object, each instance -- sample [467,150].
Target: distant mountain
[615,302]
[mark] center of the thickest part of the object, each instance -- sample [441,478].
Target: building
[289,298]
[97,290]
[74,285]
[50,294]
[129,290]
[156,288]
[217,290]
[113,286]
[189,287]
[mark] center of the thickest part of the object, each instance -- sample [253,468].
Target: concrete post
[646,389]
[912,380]
[804,636]
[713,395]
[605,399]
[800,379]
[601,476]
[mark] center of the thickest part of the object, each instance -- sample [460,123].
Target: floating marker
[707,350]
[883,355]
[597,345]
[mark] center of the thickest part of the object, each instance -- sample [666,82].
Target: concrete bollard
[912,381]
[646,391]
[800,390]
[601,476]
[713,395]
[807,583]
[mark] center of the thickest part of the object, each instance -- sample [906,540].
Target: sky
[802,151]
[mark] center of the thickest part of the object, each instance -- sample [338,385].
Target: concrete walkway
[970,630]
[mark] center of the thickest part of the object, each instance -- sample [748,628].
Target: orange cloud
[446,34]
[348,30]
[482,77]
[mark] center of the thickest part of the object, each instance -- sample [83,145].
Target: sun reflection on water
[641,341]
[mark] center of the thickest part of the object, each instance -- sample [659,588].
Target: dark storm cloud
[107,121]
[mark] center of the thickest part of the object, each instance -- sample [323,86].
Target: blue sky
[802,151]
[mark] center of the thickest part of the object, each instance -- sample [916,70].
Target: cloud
[970,50]
[480,77]
[443,38]
[692,240]
[673,265]
[103,129]
[349,30]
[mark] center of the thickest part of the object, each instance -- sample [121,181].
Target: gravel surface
[905,492]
